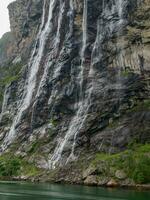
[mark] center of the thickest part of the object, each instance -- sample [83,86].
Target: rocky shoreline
[77,93]
[111,184]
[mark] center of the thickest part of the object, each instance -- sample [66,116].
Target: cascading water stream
[55,51]
[34,65]
[84,100]
[87,103]
[84,104]
[103,30]
[120,10]
[60,18]
[84,43]
[56,47]
[78,120]
[5,102]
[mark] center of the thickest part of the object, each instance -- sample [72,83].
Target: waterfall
[5,101]
[109,23]
[60,18]
[77,122]
[84,42]
[120,8]
[56,48]
[33,65]
[55,51]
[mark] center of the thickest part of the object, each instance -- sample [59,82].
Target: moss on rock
[133,162]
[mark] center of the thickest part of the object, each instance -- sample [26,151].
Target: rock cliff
[83,84]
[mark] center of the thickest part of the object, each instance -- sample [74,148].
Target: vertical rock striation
[85,83]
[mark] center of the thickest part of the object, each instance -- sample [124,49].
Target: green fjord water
[28,191]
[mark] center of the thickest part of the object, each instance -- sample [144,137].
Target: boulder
[91,180]
[102,181]
[112,183]
[120,174]
[90,171]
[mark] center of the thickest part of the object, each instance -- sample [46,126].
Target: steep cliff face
[5,47]
[15,46]
[85,86]
[25,18]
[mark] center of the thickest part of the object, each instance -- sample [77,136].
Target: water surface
[28,191]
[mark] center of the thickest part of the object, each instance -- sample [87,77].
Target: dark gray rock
[89,87]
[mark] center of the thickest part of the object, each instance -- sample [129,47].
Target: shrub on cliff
[9,167]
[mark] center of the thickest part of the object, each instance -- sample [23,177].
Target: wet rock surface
[91,180]
[84,83]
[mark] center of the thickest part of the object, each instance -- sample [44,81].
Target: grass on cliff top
[135,162]
[8,74]
[15,166]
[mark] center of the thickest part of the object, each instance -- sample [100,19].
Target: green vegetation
[29,170]
[113,124]
[8,74]
[127,72]
[53,122]
[141,172]
[141,106]
[9,167]
[16,166]
[135,162]
[34,147]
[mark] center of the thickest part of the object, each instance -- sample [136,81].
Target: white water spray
[34,65]
[78,121]
[5,102]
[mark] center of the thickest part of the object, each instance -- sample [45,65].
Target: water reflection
[28,191]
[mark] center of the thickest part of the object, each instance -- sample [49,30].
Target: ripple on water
[27,191]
